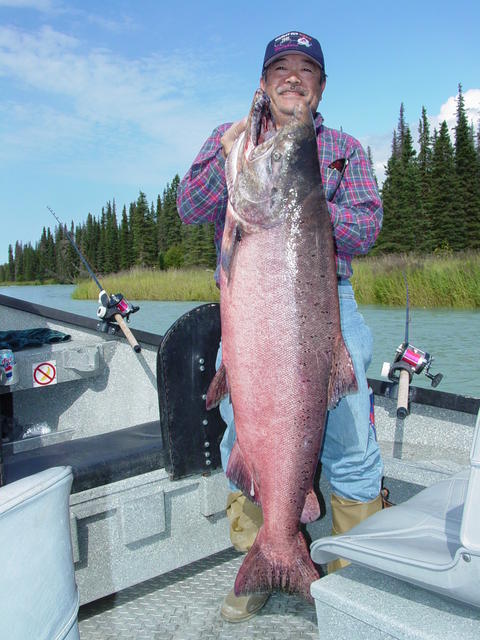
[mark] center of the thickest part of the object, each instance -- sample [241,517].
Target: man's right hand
[232,134]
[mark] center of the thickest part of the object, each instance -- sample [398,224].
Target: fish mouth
[260,125]
[264,164]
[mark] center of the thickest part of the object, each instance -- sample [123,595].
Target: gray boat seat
[39,597]
[431,540]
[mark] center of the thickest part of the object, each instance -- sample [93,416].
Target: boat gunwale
[72,318]
[432,397]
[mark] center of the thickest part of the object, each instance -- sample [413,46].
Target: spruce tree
[171,219]
[151,238]
[409,201]
[29,263]
[390,237]
[50,255]
[372,167]
[447,226]
[111,240]
[125,243]
[18,277]
[140,212]
[468,177]
[424,160]
[10,275]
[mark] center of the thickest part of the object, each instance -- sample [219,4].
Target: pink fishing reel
[415,361]
[408,360]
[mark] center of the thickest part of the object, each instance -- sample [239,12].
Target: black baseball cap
[294,42]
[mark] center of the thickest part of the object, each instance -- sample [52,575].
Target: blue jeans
[350,455]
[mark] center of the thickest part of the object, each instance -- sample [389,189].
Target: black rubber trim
[431,397]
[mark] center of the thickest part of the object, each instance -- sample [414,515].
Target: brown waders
[346,514]
[245,521]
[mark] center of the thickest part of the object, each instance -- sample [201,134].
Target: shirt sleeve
[202,192]
[356,211]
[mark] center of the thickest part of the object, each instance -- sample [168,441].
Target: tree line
[431,201]
[431,198]
[147,235]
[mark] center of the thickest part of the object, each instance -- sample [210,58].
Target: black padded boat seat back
[185,368]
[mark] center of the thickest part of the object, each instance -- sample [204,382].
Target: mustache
[300,90]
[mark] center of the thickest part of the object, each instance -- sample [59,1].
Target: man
[294,72]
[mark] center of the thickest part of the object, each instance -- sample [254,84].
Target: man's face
[292,79]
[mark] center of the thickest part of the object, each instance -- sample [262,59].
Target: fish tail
[267,568]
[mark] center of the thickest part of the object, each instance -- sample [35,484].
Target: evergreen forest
[431,200]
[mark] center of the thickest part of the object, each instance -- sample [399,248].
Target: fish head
[269,171]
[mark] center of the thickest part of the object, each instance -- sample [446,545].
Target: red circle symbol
[44,373]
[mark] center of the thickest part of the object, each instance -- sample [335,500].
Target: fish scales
[283,353]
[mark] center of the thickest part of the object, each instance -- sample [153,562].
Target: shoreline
[436,281]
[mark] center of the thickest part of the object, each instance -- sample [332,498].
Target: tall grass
[442,280]
[437,280]
[149,284]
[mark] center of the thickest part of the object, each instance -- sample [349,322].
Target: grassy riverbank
[433,281]
[147,284]
[28,283]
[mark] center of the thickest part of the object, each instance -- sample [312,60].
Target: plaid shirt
[355,210]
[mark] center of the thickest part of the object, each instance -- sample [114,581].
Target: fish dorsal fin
[342,374]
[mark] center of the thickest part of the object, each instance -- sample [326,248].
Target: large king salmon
[284,359]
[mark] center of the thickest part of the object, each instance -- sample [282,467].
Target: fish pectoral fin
[342,379]
[218,388]
[311,510]
[241,475]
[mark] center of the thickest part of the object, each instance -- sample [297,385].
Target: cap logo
[291,40]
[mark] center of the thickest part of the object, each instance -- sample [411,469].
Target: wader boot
[345,515]
[245,521]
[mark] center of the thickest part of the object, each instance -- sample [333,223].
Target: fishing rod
[408,360]
[113,310]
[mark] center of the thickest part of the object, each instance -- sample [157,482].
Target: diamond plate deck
[185,605]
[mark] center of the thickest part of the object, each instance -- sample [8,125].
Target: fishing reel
[408,360]
[112,306]
[413,360]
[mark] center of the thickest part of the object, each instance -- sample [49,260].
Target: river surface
[451,336]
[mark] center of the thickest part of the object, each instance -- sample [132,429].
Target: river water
[452,337]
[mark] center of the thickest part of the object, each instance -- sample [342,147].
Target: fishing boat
[142,548]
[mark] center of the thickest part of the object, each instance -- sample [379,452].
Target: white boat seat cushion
[432,539]
[39,597]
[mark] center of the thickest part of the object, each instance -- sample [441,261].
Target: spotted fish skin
[284,359]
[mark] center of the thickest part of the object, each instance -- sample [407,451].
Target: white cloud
[69,95]
[448,110]
[381,144]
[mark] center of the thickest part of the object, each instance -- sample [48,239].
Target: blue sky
[99,100]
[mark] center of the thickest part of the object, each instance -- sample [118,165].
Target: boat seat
[39,597]
[185,367]
[96,460]
[431,540]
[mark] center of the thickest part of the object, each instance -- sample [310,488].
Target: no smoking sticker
[44,373]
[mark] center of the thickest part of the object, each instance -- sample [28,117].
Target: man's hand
[232,134]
